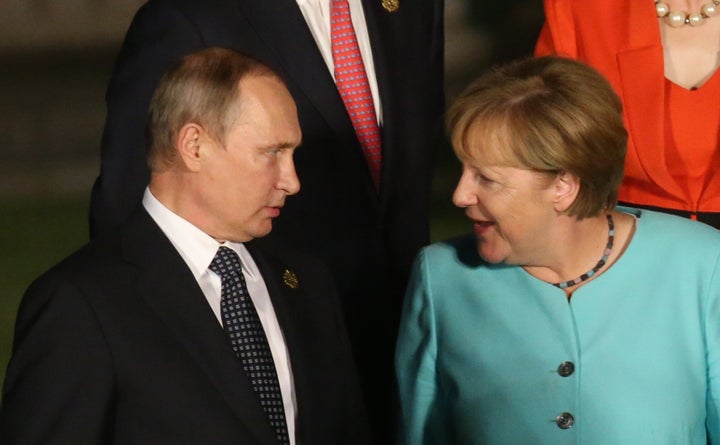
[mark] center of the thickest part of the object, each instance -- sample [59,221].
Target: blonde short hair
[200,88]
[548,114]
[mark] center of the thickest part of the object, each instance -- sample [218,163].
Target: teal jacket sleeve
[712,332]
[416,356]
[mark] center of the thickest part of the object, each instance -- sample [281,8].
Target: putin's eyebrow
[281,145]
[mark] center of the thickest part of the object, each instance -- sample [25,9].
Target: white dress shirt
[317,17]
[198,250]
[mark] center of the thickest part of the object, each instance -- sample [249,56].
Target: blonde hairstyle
[200,88]
[548,114]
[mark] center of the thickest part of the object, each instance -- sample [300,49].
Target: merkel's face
[511,210]
[247,180]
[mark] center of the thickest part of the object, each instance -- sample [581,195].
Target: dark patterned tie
[247,337]
[352,83]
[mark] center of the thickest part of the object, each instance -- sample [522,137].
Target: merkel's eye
[484,178]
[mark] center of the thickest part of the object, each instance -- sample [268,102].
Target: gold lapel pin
[290,279]
[391,5]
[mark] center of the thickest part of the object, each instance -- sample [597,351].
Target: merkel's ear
[188,145]
[567,188]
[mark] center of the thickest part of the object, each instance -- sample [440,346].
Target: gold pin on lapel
[391,5]
[290,279]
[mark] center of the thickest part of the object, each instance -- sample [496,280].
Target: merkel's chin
[490,255]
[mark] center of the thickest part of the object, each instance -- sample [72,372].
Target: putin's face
[246,177]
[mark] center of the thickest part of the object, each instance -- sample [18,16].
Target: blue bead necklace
[599,265]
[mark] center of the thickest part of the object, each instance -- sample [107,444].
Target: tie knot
[226,263]
[339,10]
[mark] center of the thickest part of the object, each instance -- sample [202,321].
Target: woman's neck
[691,53]
[580,244]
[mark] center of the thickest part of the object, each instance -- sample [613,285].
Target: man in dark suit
[179,328]
[367,235]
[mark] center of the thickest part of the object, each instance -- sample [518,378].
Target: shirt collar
[196,247]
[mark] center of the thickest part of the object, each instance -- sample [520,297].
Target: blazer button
[566,369]
[565,421]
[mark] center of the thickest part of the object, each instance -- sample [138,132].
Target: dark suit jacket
[117,345]
[367,239]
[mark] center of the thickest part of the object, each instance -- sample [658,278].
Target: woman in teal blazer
[562,319]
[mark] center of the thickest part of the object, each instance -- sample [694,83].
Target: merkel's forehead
[487,144]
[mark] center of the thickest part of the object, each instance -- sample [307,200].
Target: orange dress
[673,159]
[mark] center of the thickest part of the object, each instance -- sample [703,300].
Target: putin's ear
[188,145]
[567,188]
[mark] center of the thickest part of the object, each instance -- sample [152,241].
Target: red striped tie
[352,83]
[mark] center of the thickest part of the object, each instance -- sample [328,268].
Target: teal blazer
[488,354]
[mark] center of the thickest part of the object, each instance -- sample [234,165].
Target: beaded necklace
[600,264]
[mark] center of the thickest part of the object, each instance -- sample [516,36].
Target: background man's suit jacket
[368,240]
[117,345]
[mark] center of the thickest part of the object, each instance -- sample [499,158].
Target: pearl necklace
[680,18]
[606,253]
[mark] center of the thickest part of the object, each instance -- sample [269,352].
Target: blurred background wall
[56,58]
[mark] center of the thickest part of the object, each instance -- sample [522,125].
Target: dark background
[55,60]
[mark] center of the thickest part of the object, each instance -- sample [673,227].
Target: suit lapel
[295,310]
[377,21]
[401,48]
[170,289]
[288,299]
[642,77]
[385,43]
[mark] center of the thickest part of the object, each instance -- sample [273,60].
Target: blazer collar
[169,288]
[299,305]
[642,76]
